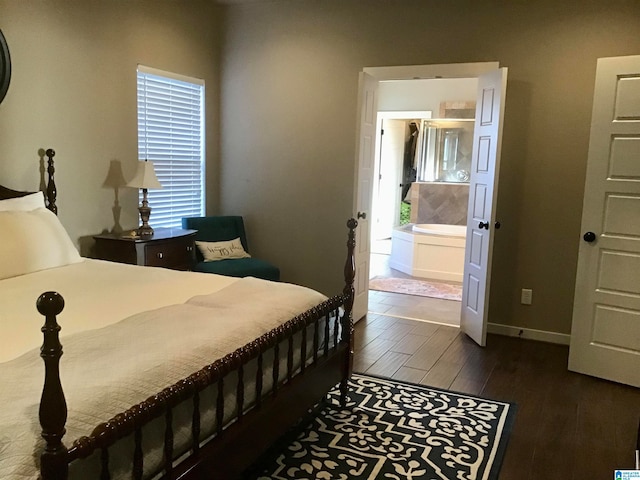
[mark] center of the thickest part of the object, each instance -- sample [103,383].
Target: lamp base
[145,229]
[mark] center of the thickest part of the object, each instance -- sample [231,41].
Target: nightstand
[168,247]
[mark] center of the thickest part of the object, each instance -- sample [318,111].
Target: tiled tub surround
[439,202]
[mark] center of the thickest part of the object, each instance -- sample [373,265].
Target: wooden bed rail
[55,457]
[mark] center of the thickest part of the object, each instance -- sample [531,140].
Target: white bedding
[96,293]
[127,333]
[166,344]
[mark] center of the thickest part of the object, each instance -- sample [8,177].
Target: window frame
[176,99]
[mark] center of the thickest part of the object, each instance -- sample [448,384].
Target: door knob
[589,237]
[484,225]
[362,215]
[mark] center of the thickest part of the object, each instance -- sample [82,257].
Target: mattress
[96,294]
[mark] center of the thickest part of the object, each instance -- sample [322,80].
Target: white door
[605,334]
[365,151]
[483,191]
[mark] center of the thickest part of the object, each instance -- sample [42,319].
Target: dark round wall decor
[5,67]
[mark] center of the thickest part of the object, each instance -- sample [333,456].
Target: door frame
[403,72]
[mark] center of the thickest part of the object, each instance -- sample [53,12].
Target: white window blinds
[171,135]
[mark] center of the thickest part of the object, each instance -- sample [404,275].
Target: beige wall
[286,134]
[73,88]
[288,121]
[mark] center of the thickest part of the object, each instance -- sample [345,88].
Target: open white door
[365,152]
[605,334]
[483,192]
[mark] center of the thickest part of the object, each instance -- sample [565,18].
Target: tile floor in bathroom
[405,306]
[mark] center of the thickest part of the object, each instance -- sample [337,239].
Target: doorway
[370,81]
[427,286]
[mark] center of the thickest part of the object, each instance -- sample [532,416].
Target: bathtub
[440,229]
[433,251]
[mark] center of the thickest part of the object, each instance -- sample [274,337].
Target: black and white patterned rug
[394,430]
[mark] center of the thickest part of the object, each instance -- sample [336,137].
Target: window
[171,135]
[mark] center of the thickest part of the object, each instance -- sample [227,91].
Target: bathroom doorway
[481,220]
[397,287]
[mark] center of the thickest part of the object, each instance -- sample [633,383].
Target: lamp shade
[145,177]
[115,178]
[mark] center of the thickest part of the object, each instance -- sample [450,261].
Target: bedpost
[347,319]
[53,407]
[52,193]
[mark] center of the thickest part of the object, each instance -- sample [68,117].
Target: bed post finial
[52,193]
[53,407]
[347,319]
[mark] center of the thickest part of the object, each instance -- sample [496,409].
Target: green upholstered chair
[222,228]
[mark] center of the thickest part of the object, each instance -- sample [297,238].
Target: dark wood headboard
[50,194]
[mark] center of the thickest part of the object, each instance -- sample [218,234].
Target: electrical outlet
[526,296]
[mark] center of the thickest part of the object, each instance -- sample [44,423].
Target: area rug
[422,288]
[393,430]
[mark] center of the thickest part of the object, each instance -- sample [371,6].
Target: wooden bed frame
[234,448]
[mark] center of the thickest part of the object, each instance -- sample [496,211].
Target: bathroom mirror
[5,67]
[445,154]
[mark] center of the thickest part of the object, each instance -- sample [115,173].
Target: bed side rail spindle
[316,340]
[138,457]
[220,406]
[303,349]
[336,320]
[327,333]
[196,422]
[53,406]
[105,474]
[259,380]
[290,356]
[168,441]
[276,365]
[240,392]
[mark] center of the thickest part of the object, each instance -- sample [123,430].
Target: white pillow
[23,204]
[212,251]
[33,240]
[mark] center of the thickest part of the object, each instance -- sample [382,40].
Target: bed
[167,374]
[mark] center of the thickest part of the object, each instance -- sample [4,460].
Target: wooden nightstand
[168,247]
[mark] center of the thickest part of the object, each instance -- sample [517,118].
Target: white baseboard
[529,333]
[507,330]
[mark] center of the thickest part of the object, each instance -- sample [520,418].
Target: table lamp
[145,178]
[115,179]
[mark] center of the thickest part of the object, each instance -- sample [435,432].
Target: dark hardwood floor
[568,426]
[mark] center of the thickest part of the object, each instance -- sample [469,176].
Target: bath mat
[422,288]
